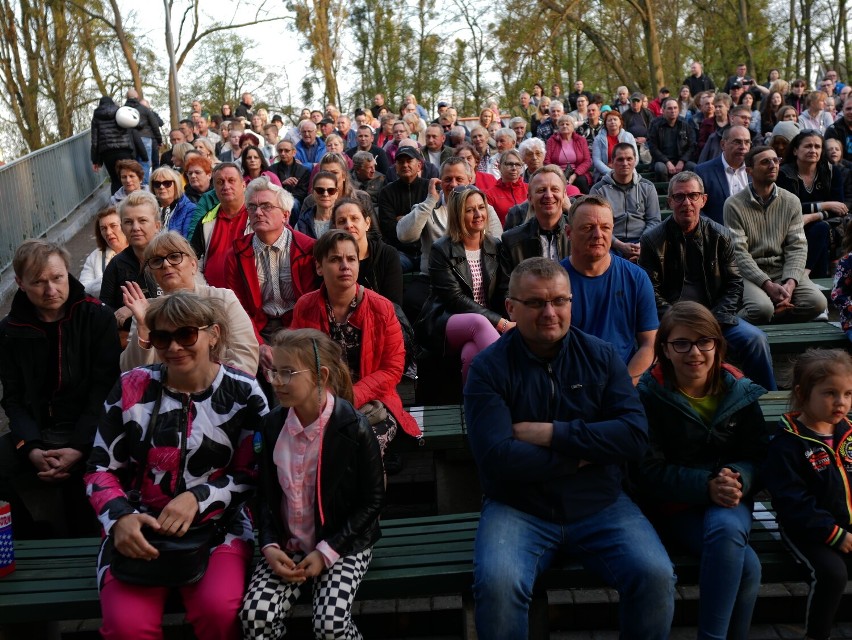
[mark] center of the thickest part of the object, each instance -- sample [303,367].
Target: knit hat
[786,129]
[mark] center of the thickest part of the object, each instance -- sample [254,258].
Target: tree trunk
[790,43]
[652,46]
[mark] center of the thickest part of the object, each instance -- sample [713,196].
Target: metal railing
[42,188]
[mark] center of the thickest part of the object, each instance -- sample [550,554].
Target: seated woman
[481,141]
[174,266]
[708,438]
[337,163]
[140,220]
[379,268]
[482,179]
[199,177]
[131,175]
[207,149]
[179,153]
[769,112]
[463,311]
[314,221]
[612,134]
[110,240]
[364,324]
[510,190]
[570,152]
[255,165]
[807,173]
[815,117]
[148,471]
[176,210]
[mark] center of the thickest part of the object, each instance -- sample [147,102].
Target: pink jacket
[581,148]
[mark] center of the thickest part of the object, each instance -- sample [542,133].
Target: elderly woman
[463,312]
[815,117]
[140,220]
[131,174]
[510,189]
[195,467]
[379,268]
[532,152]
[199,177]
[206,148]
[570,152]
[172,263]
[364,324]
[176,209]
[603,144]
[110,240]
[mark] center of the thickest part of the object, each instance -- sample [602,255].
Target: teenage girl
[320,495]
[808,471]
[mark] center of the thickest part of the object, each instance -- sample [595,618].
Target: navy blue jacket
[716,187]
[810,482]
[596,413]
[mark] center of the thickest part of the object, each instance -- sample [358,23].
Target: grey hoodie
[635,205]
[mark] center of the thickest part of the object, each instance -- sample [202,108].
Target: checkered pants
[269,600]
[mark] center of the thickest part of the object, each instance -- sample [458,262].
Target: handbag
[183,560]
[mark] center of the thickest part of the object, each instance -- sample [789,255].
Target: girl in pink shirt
[321,491]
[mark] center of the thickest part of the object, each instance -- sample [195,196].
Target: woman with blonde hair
[176,209]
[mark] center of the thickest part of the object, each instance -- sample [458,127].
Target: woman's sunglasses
[322,191]
[184,336]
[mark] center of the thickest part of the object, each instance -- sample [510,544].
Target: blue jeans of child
[729,571]
[618,543]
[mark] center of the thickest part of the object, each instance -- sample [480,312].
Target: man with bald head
[725,175]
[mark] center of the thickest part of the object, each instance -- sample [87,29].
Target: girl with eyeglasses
[707,440]
[339,468]
[171,261]
[316,220]
[196,462]
[176,209]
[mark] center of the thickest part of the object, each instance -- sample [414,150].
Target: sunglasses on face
[323,191]
[168,184]
[174,259]
[185,337]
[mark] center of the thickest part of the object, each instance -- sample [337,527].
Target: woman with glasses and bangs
[463,313]
[176,209]
[177,436]
[171,261]
[708,438]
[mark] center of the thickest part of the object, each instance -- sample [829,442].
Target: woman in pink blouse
[570,151]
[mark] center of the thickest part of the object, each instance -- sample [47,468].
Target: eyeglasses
[174,259]
[322,191]
[284,376]
[265,207]
[538,303]
[511,165]
[685,346]
[680,198]
[185,337]
[168,184]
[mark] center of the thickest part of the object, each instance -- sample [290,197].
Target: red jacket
[581,148]
[382,349]
[241,278]
[503,196]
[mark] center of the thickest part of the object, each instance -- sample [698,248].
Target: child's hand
[282,565]
[846,545]
[313,564]
[725,489]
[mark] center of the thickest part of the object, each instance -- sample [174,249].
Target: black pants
[829,574]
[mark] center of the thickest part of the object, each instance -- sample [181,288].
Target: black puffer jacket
[106,134]
[149,122]
[350,480]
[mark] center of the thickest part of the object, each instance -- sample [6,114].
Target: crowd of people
[244,320]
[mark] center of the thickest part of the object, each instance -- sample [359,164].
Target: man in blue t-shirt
[613,298]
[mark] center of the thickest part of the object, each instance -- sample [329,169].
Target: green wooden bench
[795,338]
[416,558]
[826,285]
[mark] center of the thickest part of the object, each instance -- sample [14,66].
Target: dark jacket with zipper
[810,481]
[686,452]
[350,482]
[88,367]
[524,241]
[397,199]
[662,255]
[107,136]
[451,290]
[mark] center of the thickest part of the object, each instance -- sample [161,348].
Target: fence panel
[42,188]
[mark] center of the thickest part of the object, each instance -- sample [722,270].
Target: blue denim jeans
[749,344]
[618,543]
[729,571]
[149,147]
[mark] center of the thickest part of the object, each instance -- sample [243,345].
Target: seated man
[613,298]
[725,175]
[634,201]
[59,354]
[552,418]
[398,198]
[365,177]
[293,176]
[691,257]
[671,142]
[365,139]
[737,117]
[271,268]
[310,149]
[771,249]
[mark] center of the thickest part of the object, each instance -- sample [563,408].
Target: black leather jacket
[522,242]
[663,256]
[451,289]
[351,483]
